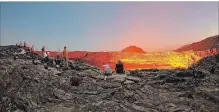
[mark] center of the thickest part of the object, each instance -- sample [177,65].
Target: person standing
[65,56]
[25,44]
[43,50]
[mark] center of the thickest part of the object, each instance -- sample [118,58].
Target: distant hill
[206,44]
[133,49]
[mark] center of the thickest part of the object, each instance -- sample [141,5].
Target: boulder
[129,82]
[184,74]
[75,81]
[61,94]
[117,78]
[174,80]
[160,76]
[132,78]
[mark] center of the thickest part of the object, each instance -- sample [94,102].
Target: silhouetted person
[65,56]
[43,50]
[25,44]
[119,67]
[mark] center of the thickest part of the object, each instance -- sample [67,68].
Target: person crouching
[107,71]
[58,60]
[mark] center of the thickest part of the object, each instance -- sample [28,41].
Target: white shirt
[44,55]
[107,69]
[23,51]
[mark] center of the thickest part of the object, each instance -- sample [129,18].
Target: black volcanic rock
[29,87]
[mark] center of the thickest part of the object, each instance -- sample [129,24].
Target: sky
[108,26]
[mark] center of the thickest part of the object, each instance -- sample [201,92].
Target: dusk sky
[108,26]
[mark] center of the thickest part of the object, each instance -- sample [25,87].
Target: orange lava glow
[160,60]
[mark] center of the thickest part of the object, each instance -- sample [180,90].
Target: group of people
[58,59]
[119,69]
[25,45]
[46,55]
[63,57]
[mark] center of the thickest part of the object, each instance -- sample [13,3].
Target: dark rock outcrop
[28,87]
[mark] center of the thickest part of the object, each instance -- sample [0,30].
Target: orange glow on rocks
[160,60]
[133,49]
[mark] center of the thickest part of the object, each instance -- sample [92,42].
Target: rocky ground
[29,86]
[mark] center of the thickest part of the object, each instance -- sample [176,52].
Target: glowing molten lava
[163,59]
[167,60]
